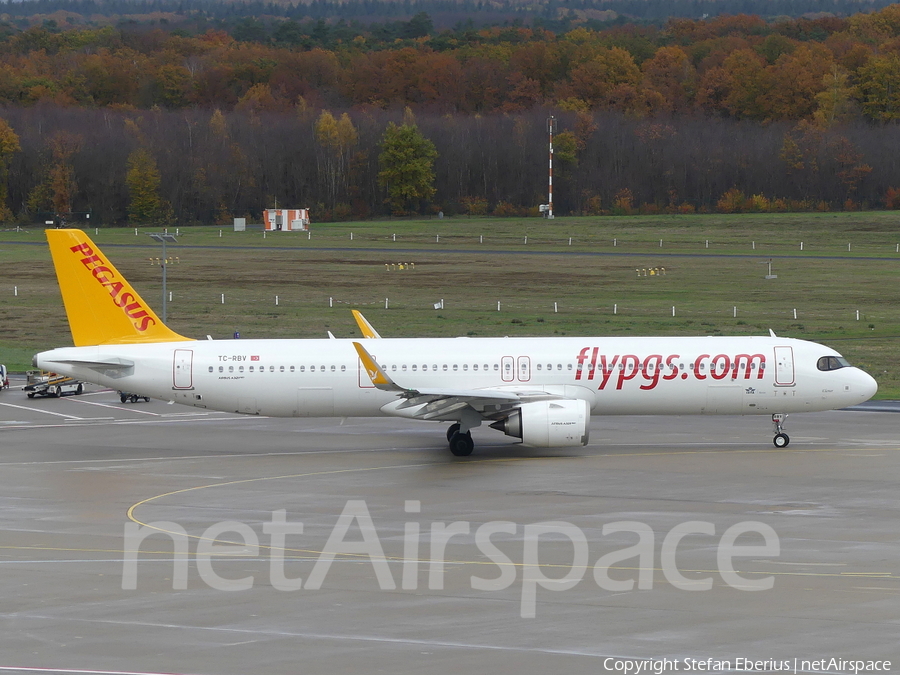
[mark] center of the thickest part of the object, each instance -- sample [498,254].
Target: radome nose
[868,387]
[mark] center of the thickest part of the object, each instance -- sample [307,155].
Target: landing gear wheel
[781,440]
[462,445]
[452,429]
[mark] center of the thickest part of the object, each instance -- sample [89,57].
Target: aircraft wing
[438,404]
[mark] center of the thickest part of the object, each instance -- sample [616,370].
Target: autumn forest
[136,122]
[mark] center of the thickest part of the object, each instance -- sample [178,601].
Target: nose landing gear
[781,439]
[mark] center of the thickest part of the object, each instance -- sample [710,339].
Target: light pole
[551,127]
[164,239]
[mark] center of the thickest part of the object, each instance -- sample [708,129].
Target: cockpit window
[832,363]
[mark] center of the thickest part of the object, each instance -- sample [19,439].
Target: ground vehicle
[134,398]
[40,383]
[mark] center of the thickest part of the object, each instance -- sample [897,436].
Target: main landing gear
[781,439]
[461,443]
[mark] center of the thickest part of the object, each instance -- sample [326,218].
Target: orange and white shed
[286,219]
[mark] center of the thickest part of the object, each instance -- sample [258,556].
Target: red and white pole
[551,127]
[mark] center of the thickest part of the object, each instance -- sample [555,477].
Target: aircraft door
[363,379]
[315,402]
[507,373]
[182,375]
[524,368]
[724,399]
[784,367]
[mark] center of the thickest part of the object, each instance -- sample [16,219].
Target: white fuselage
[616,376]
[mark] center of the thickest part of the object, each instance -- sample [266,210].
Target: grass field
[713,264]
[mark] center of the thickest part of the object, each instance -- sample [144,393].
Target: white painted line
[114,407]
[26,669]
[200,414]
[112,421]
[46,412]
[123,460]
[346,637]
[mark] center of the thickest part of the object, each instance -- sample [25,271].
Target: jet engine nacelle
[549,424]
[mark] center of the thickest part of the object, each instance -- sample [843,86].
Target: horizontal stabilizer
[111,363]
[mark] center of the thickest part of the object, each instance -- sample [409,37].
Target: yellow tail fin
[101,305]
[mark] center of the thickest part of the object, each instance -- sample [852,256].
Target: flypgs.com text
[621,368]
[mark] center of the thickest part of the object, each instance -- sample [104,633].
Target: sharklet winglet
[365,327]
[379,378]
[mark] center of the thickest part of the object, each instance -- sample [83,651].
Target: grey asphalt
[76,472]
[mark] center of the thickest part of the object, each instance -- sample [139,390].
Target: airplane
[542,391]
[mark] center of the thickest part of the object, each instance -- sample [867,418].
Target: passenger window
[271,369]
[333,369]
[404,368]
[465,366]
[394,368]
[486,367]
[281,368]
[240,369]
[302,369]
[415,367]
[496,367]
[292,369]
[445,366]
[455,367]
[210,369]
[475,367]
[230,369]
[570,366]
[250,369]
[343,369]
[539,366]
[221,369]
[322,369]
